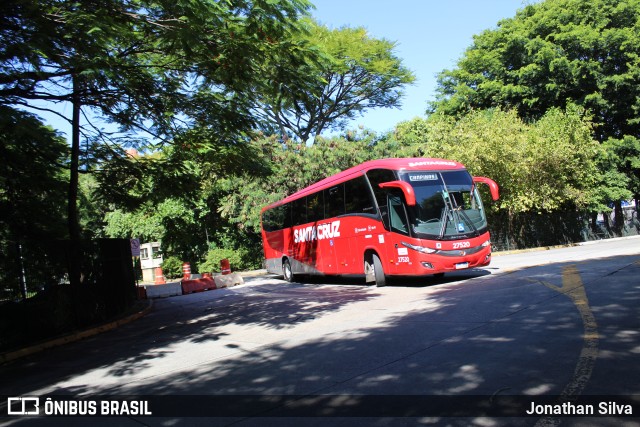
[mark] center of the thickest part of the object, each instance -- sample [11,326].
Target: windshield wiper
[452,213]
[467,220]
[447,213]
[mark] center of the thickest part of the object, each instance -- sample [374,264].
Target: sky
[431,36]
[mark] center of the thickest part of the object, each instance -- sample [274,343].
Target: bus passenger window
[315,207]
[334,201]
[358,197]
[298,211]
[398,214]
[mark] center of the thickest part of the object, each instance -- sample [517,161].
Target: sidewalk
[176,286]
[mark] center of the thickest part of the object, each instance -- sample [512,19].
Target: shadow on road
[506,335]
[397,281]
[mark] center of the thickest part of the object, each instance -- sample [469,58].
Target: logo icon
[23,406]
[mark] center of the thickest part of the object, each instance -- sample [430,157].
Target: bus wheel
[287,272]
[373,271]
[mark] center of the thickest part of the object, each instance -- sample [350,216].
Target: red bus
[390,217]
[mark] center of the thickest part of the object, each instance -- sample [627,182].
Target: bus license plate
[462,265]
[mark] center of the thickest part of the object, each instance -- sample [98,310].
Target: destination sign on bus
[423,177]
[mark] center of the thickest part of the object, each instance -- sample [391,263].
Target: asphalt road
[553,326]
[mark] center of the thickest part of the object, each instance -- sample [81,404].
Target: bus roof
[415,163]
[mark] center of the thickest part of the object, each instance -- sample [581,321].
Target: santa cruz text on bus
[319,232]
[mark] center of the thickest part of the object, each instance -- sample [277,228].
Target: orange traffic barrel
[159,279]
[186,271]
[225,267]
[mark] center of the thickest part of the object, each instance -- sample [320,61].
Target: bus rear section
[393,217]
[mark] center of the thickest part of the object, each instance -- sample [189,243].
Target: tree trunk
[619,217]
[607,223]
[75,256]
[593,221]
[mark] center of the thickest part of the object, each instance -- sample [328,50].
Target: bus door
[386,239]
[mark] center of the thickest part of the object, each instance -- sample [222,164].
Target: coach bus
[390,217]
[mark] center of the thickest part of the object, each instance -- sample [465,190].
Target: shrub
[172,267]
[214,256]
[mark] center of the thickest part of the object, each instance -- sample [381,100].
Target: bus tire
[373,265]
[287,271]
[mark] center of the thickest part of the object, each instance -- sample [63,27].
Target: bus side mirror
[407,189]
[493,187]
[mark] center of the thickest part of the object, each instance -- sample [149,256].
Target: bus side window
[358,197]
[315,207]
[298,212]
[397,213]
[334,201]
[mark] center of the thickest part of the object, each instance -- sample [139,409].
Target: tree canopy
[161,67]
[541,167]
[551,53]
[32,178]
[223,99]
[352,72]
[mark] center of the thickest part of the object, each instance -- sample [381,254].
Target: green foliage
[199,77]
[157,69]
[622,157]
[172,221]
[32,178]
[350,73]
[551,53]
[238,259]
[554,54]
[620,161]
[172,267]
[542,167]
[173,195]
[32,199]
[293,167]
[143,224]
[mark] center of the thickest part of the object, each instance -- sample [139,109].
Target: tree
[552,53]
[540,167]
[547,170]
[293,166]
[172,195]
[350,73]
[620,159]
[32,178]
[32,192]
[160,67]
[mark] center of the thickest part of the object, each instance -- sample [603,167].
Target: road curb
[538,249]
[567,245]
[76,336]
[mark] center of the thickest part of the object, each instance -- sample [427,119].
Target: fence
[528,230]
[36,299]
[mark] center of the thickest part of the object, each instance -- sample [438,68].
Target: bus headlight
[485,244]
[421,249]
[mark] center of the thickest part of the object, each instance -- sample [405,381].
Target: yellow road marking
[573,288]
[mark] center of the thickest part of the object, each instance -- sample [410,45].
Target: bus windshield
[448,205]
